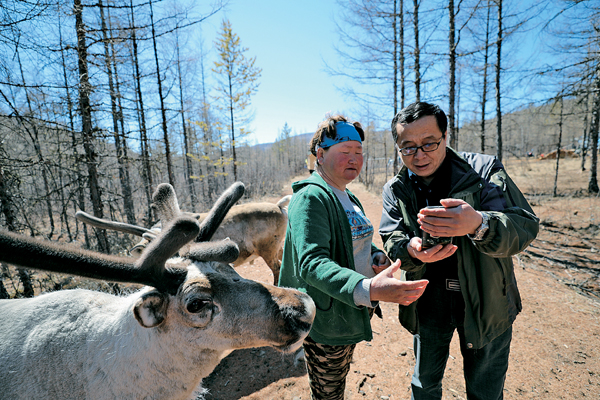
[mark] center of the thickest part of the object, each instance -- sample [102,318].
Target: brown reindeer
[257,228]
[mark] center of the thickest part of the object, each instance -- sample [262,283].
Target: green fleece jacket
[318,260]
[485,268]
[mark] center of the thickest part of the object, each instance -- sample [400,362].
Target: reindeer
[157,343]
[257,228]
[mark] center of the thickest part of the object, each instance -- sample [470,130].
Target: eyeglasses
[427,147]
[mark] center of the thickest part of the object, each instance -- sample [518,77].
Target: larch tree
[141,117]
[452,43]
[417,50]
[163,109]
[484,89]
[498,74]
[189,170]
[576,66]
[85,110]
[117,115]
[372,47]
[237,78]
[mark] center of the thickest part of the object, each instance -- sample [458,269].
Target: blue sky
[290,41]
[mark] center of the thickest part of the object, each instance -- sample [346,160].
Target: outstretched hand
[384,287]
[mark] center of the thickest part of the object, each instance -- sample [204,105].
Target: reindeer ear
[151,309]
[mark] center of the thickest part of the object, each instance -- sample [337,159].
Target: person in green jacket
[329,254]
[481,221]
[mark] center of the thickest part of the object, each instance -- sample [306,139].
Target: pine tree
[237,82]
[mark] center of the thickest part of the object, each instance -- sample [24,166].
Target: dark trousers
[440,315]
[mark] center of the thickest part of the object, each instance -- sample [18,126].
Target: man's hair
[327,129]
[418,110]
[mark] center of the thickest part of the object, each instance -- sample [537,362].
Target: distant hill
[296,138]
[532,128]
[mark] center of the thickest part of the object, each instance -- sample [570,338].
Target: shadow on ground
[247,371]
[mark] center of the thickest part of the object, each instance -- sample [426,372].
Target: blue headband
[345,132]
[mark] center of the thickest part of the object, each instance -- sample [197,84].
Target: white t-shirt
[362,237]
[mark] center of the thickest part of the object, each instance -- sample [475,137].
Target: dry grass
[536,177]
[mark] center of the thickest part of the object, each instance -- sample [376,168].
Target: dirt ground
[555,352]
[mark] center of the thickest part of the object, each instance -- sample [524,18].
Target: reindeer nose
[309,306]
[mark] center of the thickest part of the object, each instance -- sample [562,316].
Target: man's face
[418,133]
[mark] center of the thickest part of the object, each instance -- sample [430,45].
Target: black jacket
[485,269]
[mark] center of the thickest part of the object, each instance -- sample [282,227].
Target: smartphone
[429,241]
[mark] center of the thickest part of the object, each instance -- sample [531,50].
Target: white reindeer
[157,343]
[257,228]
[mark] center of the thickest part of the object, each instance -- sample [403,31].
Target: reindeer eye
[197,305]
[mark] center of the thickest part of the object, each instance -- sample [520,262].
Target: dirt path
[555,352]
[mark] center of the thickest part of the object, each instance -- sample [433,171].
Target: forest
[102,101]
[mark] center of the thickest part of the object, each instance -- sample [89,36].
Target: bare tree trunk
[398,50]
[233,155]
[452,72]
[3,291]
[417,51]
[125,188]
[402,76]
[86,122]
[6,202]
[163,110]
[128,194]
[395,55]
[558,146]
[211,185]
[401,51]
[186,140]
[34,136]
[7,209]
[593,135]
[585,140]
[146,171]
[498,97]
[76,157]
[64,203]
[485,76]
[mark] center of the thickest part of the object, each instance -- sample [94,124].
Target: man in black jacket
[482,220]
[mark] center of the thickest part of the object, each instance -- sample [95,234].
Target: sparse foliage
[237,78]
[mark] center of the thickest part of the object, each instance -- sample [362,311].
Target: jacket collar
[313,179]
[316,179]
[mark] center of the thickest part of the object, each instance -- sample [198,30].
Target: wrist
[408,250]
[474,230]
[482,229]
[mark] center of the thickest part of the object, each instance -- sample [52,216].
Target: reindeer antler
[221,207]
[148,270]
[113,225]
[224,251]
[164,202]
